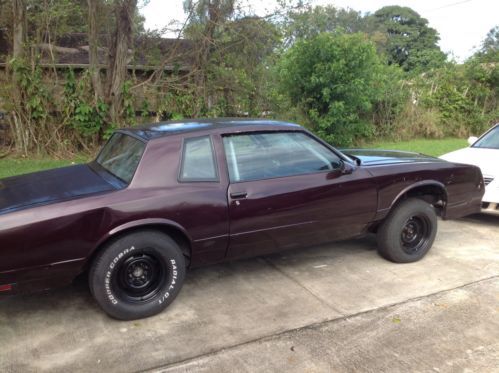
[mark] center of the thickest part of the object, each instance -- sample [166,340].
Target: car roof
[174,127]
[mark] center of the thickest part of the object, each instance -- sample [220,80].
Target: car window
[198,161]
[257,156]
[490,140]
[121,156]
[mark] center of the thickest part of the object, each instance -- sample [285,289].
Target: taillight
[7,287]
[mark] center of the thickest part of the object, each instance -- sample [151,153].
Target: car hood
[486,159]
[38,188]
[370,157]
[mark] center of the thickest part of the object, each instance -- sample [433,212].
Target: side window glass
[198,160]
[490,140]
[257,156]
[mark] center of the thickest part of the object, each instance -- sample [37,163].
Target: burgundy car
[167,196]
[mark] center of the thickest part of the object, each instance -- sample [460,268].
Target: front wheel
[137,275]
[408,232]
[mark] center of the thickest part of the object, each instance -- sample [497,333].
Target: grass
[17,166]
[433,147]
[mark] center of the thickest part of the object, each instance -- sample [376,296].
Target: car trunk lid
[56,185]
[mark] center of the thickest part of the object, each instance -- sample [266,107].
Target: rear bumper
[33,279]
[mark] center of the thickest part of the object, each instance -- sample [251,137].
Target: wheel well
[433,194]
[174,233]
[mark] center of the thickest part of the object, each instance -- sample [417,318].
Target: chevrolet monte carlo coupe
[167,196]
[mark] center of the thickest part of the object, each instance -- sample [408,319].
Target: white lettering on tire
[107,280]
[114,262]
[174,272]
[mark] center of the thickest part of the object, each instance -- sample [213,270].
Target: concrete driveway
[331,308]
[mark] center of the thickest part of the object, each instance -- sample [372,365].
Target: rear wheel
[138,275]
[408,232]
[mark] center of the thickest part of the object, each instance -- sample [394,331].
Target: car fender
[143,223]
[419,184]
[384,211]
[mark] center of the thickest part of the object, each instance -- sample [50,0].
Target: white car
[484,153]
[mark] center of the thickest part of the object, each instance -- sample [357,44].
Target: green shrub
[334,79]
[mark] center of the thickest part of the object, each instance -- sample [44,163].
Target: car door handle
[238,195]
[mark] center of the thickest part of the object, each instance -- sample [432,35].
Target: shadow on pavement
[77,295]
[486,219]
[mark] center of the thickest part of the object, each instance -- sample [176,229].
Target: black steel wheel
[408,232]
[415,234]
[137,275]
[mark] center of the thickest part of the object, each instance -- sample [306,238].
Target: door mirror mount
[347,168]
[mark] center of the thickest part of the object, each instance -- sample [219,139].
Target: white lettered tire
[138,275]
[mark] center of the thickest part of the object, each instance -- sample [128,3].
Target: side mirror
[344,169]
[347,168]
[472,140]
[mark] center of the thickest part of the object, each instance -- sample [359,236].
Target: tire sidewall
[108,263]
[389,243]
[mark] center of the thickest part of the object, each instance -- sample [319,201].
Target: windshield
[121,156]
[490,140]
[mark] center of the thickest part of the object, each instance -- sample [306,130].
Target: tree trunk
[93,44]
[122,40]
[205,50]
[19,18]
[19,126]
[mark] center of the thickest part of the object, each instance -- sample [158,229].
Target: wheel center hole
[138,272]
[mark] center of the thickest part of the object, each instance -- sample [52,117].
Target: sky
[461,24]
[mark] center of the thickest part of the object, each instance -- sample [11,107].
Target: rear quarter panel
[55,241]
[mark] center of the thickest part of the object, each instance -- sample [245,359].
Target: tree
[204,11]
[20,128]
[19,28]
[93,43]
[124,11]
[411,43]
[312,21]
[489,51]
[233,52]
[332,78]
[125,21]
[207,17]
[491,42]
[237,70]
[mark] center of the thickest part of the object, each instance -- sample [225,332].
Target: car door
[288,190]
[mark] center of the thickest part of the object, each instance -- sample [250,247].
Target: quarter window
[257,156]
[198,160]
[121,156]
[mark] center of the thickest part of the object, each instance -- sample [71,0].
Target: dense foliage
[334,80]
[410,42]
[349,76]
